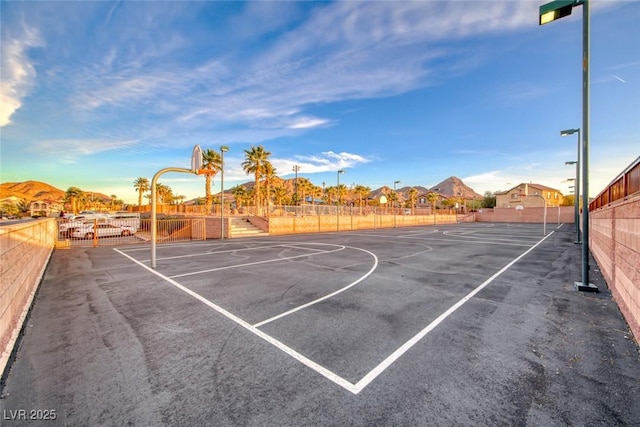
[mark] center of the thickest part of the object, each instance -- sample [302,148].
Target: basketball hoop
[196,159]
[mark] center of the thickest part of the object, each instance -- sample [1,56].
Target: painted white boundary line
[268,338]
[375,372]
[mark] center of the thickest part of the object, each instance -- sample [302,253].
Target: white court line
[375,372]
[268,338]
[286,313]
[267,261]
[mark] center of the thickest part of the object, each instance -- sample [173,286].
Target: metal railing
[107,231]
[624,185]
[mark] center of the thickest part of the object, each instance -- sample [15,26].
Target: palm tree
[212,163]
[254,163]
[413,196]
[268,172]
[279,194]
[362,193]
[72,197]
[433,198]
[142,186]
[341,191]
[240,193]
[164,192]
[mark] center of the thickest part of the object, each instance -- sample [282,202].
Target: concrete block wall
[614,240]
[566,215]
[328,223]
[25,250]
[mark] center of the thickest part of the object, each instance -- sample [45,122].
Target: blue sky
[96,94]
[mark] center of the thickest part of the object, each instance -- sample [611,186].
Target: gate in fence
[112,231]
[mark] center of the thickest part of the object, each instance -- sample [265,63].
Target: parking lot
[469,324]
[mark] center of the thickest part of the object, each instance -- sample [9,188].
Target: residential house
[528,195]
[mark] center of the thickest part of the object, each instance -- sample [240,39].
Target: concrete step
[240,227]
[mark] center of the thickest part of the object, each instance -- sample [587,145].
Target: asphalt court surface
[463,324]
[342,308]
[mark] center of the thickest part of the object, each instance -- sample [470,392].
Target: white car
[66,228]
[104,229]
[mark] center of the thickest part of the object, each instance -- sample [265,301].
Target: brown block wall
[24,253]
[614,240]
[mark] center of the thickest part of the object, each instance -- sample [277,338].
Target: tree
[413,197]
[433,198]
[362,193]
[142,186]
[240,194]
[280,195]
[212,163]
[268,172]
[255,159]
[489,200]
[164,192]
[72,196]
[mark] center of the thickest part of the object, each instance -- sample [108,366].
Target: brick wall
[327,223]
[614,240]
[25,250]
[566,215]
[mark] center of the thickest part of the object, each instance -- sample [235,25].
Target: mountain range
[32,191]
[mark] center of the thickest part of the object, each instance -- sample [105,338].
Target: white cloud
[328,161]
[18,74]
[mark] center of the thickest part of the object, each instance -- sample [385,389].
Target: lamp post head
[224,149]
[341,171]
[573,162]
[569,132]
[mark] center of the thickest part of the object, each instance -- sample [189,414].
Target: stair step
[241,227]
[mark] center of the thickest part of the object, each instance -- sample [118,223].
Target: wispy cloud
[18,73]
[69,150]
[328,161]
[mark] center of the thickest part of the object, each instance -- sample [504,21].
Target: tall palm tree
[72,196]
[279,195]
[254,163]
[433,198]
[142,186]
[212,163]
[268,172]
[362,193]
[240,194]
[413,196]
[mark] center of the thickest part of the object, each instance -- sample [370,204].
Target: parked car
[66,228]
[104,229]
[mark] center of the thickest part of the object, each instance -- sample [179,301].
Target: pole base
[589,287]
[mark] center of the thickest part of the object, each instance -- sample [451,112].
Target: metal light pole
[576,201]
[549,12]
[395,203]
[577,189]
[296,168]
[338,204]
[223,149]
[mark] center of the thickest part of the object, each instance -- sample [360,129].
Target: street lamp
[549,12]
[296,168]
[223,149]
[338,206]
[568,132]
[395,203]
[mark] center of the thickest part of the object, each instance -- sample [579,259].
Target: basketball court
[255,331]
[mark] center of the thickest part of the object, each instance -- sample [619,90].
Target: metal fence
[109,231]
[624,185]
